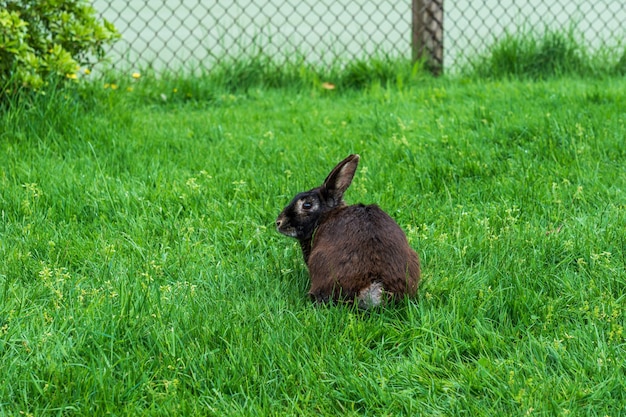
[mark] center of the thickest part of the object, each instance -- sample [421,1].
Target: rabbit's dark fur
[352,252]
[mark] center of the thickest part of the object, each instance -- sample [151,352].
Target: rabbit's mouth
[287,230]
[282,225]
[291,232]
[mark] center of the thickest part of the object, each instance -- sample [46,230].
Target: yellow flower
[114,86]
[87,71]
[72,76]
[136,75]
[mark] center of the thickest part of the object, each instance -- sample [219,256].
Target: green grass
[140,272]
[553,53]
[261,71]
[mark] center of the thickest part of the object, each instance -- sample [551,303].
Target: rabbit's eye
[307,205]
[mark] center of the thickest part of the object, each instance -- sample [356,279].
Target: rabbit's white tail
[371,296]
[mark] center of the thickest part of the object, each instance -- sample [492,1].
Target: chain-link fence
[174,34]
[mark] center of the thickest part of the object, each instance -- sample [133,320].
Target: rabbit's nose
[278,222]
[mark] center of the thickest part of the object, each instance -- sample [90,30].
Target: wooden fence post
[427,33]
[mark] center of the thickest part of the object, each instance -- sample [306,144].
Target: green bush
[39,38]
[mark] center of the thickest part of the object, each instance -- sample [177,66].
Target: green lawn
[141,273]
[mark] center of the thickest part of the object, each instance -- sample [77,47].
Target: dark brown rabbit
[352,252]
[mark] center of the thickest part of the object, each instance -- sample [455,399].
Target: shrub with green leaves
[39,38]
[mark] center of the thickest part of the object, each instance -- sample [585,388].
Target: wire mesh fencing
[175,34]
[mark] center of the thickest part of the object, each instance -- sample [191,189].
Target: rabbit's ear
[339,180]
